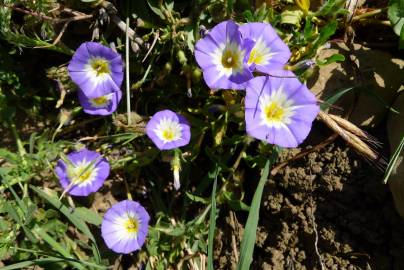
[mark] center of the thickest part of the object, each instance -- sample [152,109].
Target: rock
[380,73]
[395,131]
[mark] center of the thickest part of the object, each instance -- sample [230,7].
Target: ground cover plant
[204,134]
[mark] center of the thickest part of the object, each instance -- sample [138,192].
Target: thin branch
[29,12]
[368,14]
[47,18]
[329,140]
[156,36]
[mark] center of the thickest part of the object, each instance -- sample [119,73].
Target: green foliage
[250,231]
[396,16]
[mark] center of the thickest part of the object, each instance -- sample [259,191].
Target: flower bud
[181,57]
[65,117]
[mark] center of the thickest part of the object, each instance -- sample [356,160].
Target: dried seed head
[349,136]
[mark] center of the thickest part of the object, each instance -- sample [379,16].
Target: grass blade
[72,216]
[212,221]
[248,242]
[56,246]
[393,160]
[335,97]
[47,260]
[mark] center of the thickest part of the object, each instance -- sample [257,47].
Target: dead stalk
[352,139]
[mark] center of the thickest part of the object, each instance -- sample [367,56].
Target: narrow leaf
[250,232]
[212,222]
[394,158]
[335,97]
[74,218]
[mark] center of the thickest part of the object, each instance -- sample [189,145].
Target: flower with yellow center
[221,54]
[260,54]
[124,226]
[131,225]
[100,66]
[82,172]
[276,109]
[101,102]
[101,105]
[168,130]
[279,110]
[229,59]
[96,69]
[268,53]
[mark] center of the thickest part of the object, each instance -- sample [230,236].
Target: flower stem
[368,14]
[20,147]
[127,73]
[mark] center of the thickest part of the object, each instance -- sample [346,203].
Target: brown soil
[354,215]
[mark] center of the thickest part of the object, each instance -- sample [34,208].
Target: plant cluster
[187,118]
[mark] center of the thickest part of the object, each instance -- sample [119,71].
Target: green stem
[369,14]
[20,146]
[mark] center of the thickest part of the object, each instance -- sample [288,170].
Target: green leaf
[250,232]
[155,9]
[48,260]
[326,32]
[235,204]
[55,245]
[396,15]
[196,198]
[229,8]
[72,216]
[335,97]
[88,215]
[212,221]
[332,59]
[292,17]
[331,7]
[392,163]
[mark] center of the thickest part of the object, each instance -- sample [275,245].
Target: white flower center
[127,226]
[83,173]
[98,69]
[228,58]
[168,130]
[260,53]
[276,109]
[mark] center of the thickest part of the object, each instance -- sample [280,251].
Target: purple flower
[96,69]
[125,226]
[103,105]
[279,110]
[168,130]
[83,172]
[221,54]
[269,51]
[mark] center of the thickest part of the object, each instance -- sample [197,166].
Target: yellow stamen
[168,134]
[256,57]
[100,66]
[230,59]
[274,112]
[132,225]
[100,101]
[82,174]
